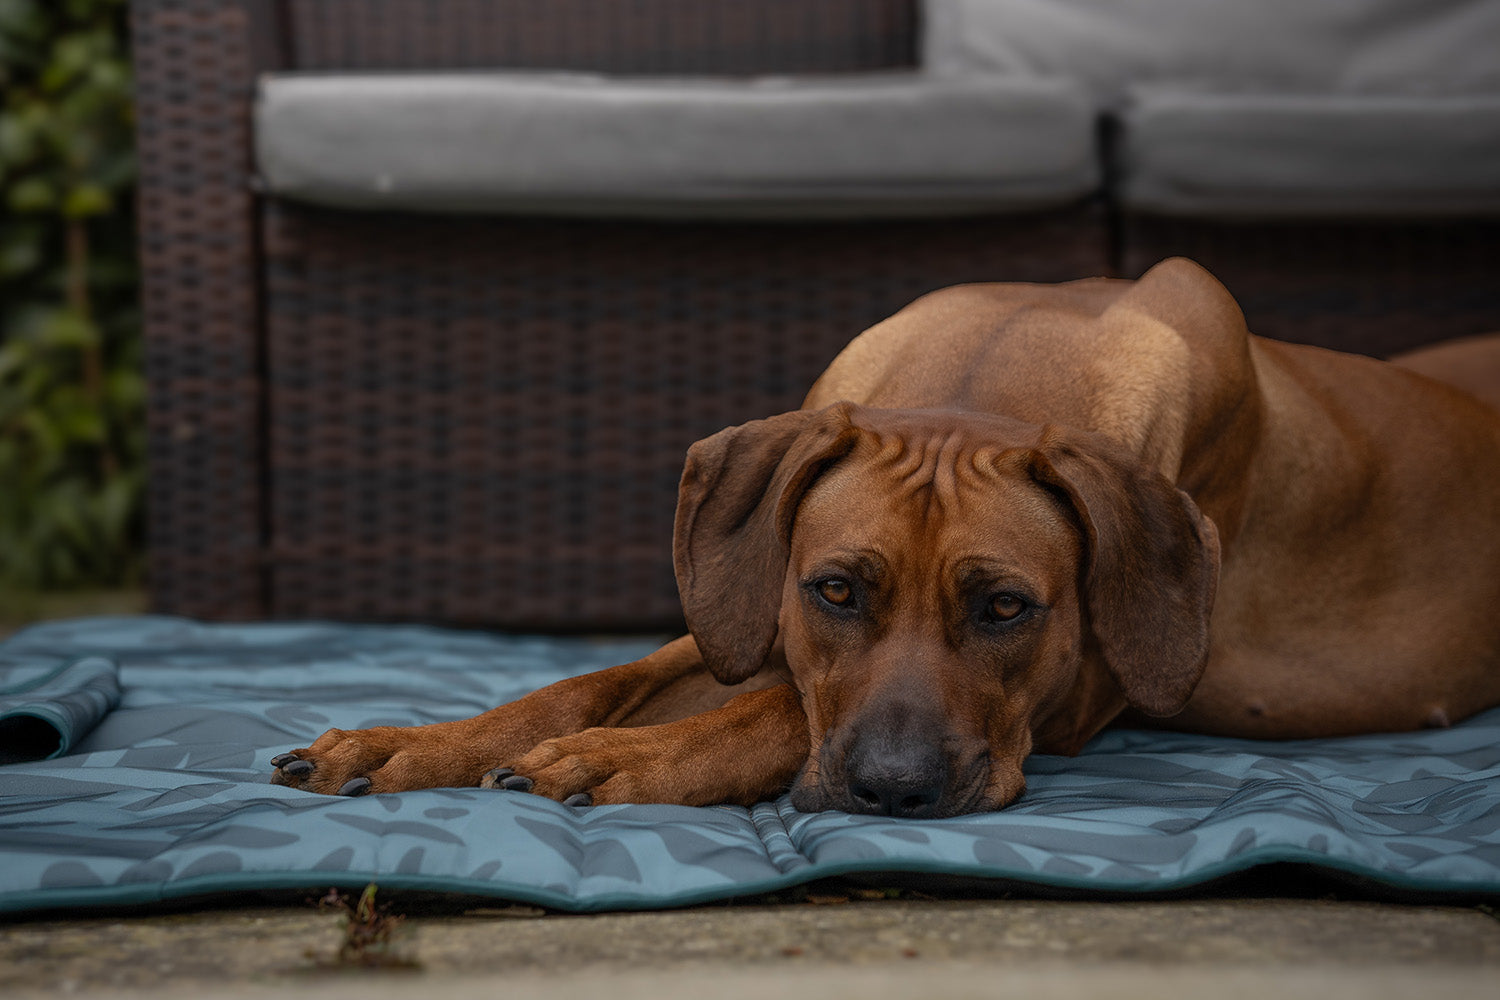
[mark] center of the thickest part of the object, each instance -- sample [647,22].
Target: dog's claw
[517,783]
[355,786]
[492,778]
[579,799]
[298,768]
[282,759]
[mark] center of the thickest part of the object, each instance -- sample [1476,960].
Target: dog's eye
[835,591]
[1006,607]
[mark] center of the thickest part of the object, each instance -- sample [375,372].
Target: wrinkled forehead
[936,492]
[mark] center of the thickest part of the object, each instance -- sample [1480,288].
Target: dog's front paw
[595,767]
[383,759]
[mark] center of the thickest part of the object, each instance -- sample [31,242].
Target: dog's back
[1472,364]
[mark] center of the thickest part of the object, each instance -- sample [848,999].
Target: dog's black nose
[896,781]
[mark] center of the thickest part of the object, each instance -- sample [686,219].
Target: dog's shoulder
[1138,361]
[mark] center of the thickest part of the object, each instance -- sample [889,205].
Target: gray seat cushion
[1347,46]
[881,145]
[1192,153]
[1270,107]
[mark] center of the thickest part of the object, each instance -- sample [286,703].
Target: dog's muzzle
[894,764]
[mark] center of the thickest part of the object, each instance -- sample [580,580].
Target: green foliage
[71,393]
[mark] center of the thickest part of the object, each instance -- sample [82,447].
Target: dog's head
[950,592]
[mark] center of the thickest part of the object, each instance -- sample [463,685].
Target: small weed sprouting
[368,932]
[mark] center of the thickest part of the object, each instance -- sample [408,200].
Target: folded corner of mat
[45,711]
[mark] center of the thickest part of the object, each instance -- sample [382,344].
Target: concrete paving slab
[979,981]
[1297,947]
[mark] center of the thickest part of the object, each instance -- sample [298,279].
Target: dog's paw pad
[517,783]
[298,768]
[283,759]
[579,799]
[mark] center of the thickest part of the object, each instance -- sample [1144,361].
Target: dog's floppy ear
[1150,571]
[739,493]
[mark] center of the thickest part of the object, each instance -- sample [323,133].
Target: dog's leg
[669,683]
[748,750]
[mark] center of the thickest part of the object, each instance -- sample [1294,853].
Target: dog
[1007,517]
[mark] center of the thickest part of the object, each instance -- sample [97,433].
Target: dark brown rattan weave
[194,69]
[1371,287]
[607,36]
[485,419]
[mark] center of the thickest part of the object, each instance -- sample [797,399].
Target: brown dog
[1044,507]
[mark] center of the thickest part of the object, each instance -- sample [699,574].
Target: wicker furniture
[481,418]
